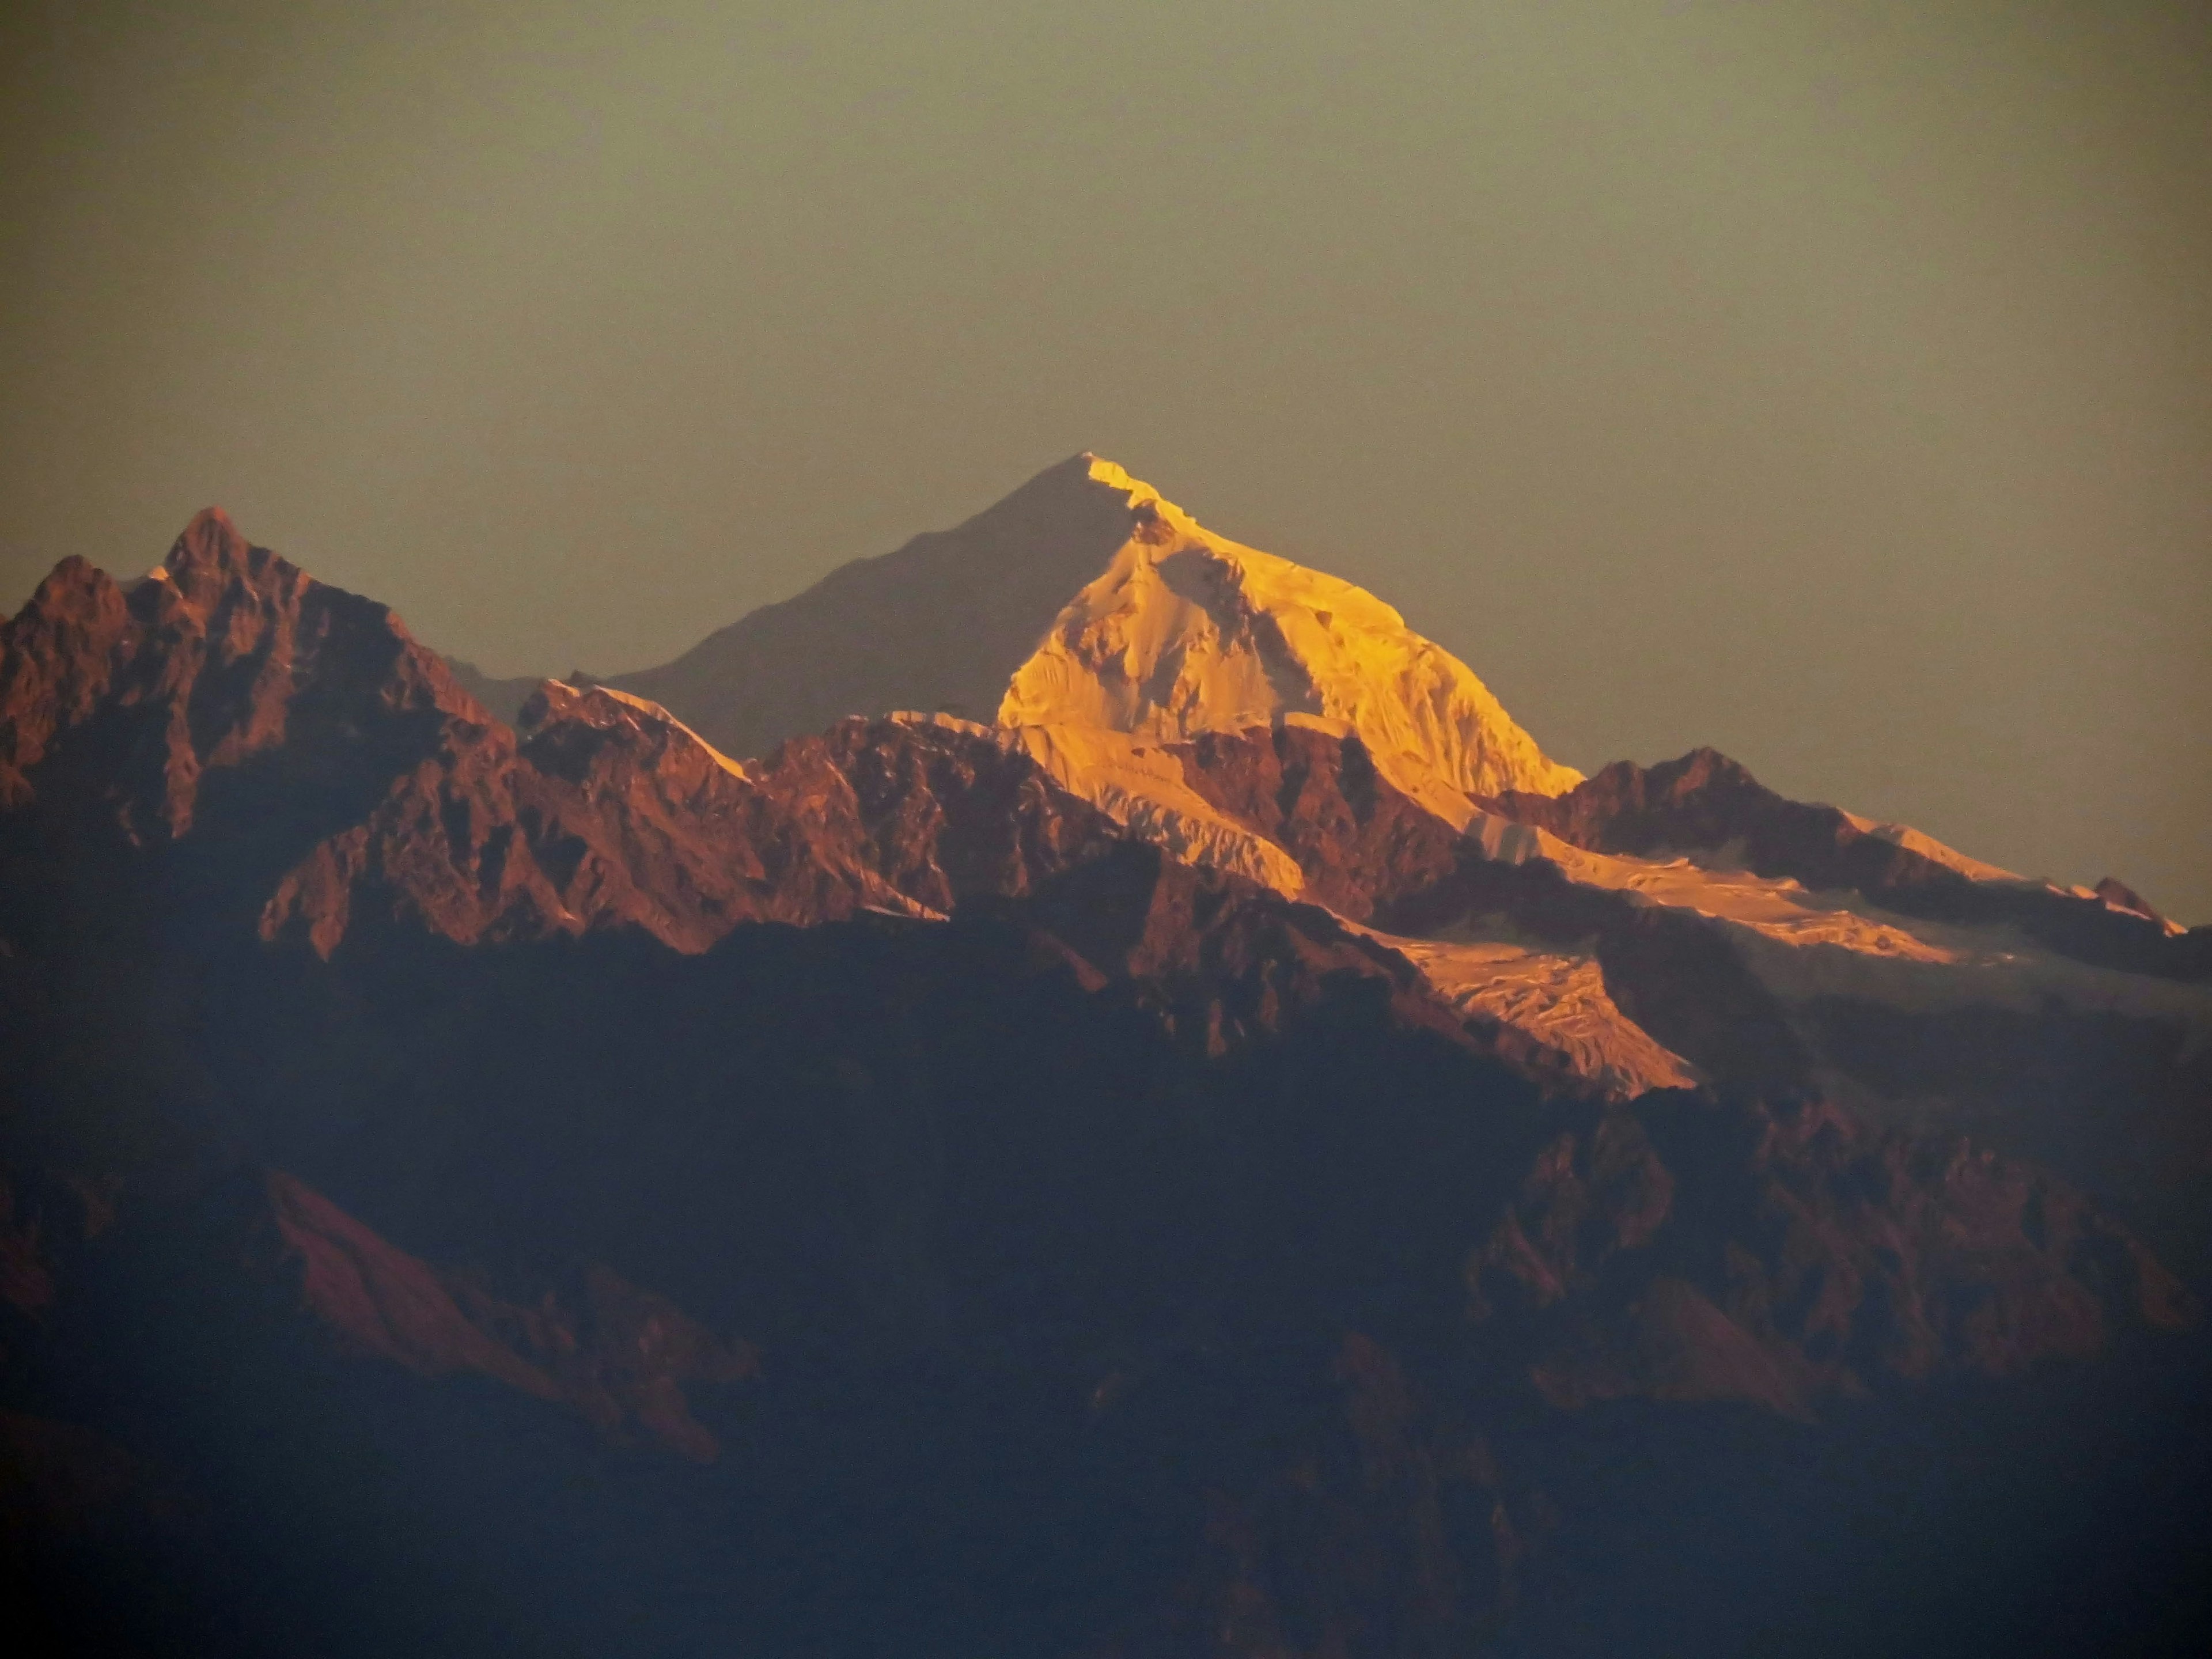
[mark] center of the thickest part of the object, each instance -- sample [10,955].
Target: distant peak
[210,541]
[1086,467]
[1186,631]
[211,527]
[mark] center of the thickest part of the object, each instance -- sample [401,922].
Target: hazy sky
[1829,382]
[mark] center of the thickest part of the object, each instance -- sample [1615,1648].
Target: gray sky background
[1829,382]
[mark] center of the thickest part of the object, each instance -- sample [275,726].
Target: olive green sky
[1829,383]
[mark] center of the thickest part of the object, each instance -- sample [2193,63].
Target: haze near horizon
[1833,388]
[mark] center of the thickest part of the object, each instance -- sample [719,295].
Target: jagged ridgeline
[1134,1112]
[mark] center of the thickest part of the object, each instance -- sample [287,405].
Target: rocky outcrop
[1359,841]
[1223,959]
[612,813]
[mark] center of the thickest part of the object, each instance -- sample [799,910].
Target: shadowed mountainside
[940,625]
[1039,1329]
[934,1188]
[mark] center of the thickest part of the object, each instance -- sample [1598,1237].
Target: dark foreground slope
[986,1314]
[562,1194]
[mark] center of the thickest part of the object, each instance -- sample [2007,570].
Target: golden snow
[1186,632]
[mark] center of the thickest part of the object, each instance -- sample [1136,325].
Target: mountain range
[1077,1089]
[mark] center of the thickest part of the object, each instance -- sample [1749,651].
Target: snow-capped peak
[1186,631]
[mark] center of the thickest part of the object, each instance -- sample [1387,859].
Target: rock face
[1241,1156]
[324,755]
[612,813]
[1307,811]
[225,662]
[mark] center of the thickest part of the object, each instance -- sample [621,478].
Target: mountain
[226,667]
[1240,1155]
[940,625]
[1641,929]
[1171,630]
[1836,939]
